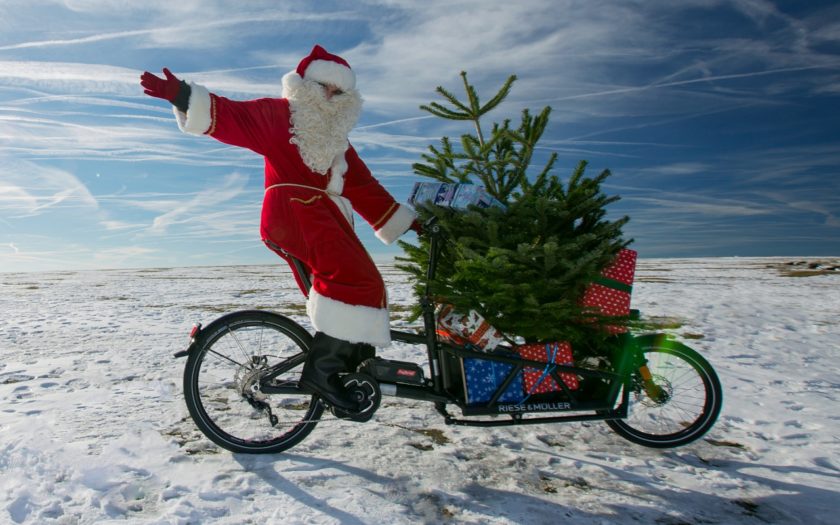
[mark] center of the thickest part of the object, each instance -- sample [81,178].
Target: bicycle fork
[654,391]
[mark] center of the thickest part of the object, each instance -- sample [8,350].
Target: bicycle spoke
[217,354]
[236,340]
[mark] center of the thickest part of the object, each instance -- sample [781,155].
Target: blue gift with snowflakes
[484,377]
[459,196]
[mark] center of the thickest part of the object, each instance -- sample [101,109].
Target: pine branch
[454,100]
[504,91]
[474,109]
[439,110]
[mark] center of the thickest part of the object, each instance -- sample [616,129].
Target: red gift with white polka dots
[610,294]
[540,380]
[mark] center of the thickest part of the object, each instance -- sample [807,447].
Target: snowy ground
[93,427]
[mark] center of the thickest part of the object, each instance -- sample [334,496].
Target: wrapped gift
[609,295]
[483,377]
[468,328]
[452,195]
[540,380]
[623,269]
[446,335]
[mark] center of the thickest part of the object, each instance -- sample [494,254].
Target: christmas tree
[523,267]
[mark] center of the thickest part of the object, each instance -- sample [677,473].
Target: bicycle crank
[364,390]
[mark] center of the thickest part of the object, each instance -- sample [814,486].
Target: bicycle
[241,390]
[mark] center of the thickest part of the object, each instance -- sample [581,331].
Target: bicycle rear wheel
[223,379]
[683,405]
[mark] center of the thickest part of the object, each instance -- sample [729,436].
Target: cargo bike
[241,382]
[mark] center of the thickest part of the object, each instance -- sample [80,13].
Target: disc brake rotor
[664,391]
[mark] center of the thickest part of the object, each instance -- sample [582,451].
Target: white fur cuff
[198,118]
[397,225]
[353,323]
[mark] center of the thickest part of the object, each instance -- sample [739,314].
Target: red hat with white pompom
[326,68]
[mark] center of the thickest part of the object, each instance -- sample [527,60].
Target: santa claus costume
[314,179]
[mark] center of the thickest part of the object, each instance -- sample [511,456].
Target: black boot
[361,353]
[326,358]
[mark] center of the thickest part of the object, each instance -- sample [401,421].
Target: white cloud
[13,197]
[118,256]
[193,24]
[82,81]
[665,203]
[58,137]
[678,169]
[27,188]
[78,41]
[70,78]
[118,225]
[795,200]
[206,199]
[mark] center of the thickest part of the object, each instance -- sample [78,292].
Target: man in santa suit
[314,179]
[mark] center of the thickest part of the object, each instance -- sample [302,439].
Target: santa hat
[327,68]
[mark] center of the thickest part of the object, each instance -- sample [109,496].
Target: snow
[93,426]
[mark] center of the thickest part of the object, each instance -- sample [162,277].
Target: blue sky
[720,120]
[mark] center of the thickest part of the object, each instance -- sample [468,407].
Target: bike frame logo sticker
[535,407]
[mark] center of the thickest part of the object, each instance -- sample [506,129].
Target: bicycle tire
[694,401]
[220,374]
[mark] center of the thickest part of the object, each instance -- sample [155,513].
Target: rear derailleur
[248,383]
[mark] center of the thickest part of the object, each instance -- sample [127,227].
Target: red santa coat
[308,215]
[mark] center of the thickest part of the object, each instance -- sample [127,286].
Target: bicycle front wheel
[679,405]
[234,358]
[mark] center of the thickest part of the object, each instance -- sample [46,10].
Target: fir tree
[524,267]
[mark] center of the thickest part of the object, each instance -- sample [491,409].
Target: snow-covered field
[93,427]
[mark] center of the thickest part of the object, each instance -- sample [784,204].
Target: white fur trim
[344,206]
[335,188]
[357,324]
[197,119]
[330,72]
[290,82]
[337,171]
[397,225]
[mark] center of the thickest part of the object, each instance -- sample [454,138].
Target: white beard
[320,126]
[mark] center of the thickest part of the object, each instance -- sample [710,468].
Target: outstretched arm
[248,124]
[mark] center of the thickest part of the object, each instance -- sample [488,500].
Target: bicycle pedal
[358,417]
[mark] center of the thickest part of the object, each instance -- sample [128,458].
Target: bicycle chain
[331,418]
